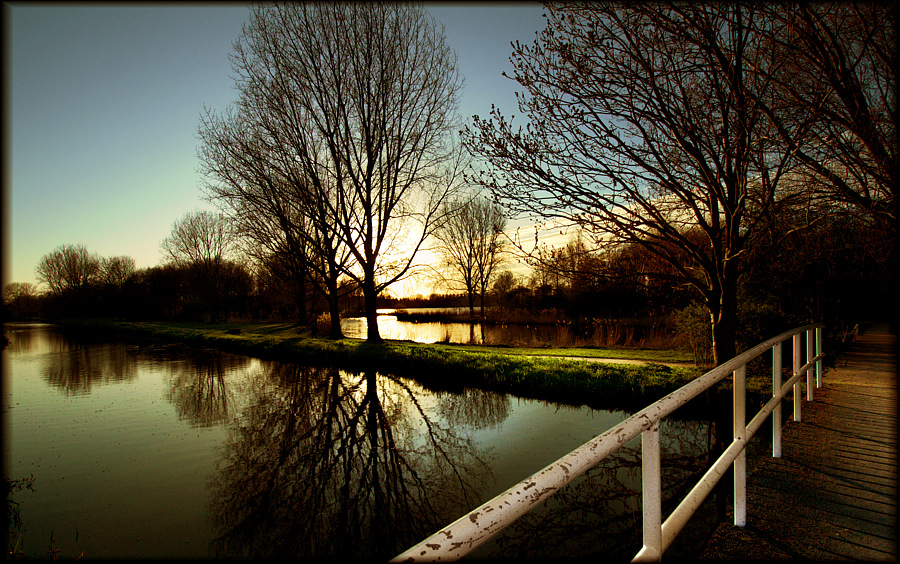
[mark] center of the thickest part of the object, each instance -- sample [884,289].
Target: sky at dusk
[102,104]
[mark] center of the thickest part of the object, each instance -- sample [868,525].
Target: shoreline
[617,384]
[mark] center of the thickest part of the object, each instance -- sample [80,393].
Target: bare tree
[272,188]
[503,285]
[115,271]
[842,79]
[470,244]
[18,290]
[20,299]
[646,127]
[355,104]
[201,241]
[199,237]
[239,157]
[573,268]
[68,268]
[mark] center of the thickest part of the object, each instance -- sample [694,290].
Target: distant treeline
[836,277]
[834,273]
[168,292]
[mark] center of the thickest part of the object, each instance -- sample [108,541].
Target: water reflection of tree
[600,513]
[198,389]
[75,366]
[334,464]
[476,408]
[198,386]
[21,340]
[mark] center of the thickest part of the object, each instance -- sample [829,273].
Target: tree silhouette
[201,243]
[350,109]
[68,268]
[647,126]
[470,245]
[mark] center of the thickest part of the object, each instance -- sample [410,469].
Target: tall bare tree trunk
[334,309]
[370,297]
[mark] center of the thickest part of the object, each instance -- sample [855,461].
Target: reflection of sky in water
[389,327]
[127,463]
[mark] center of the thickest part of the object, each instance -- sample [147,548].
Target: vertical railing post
[651,483]
[796,351]
[740,432]
[819,354]
[809,371]
[776,392]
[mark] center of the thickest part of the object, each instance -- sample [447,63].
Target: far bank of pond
[566,377]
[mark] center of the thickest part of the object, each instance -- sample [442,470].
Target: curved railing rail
[473,529]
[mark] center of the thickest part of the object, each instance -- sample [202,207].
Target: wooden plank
[833,494]
[864,467]
[870,448]
[821,515]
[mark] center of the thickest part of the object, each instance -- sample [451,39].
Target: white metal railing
[479,525]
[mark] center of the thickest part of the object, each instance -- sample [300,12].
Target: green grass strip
[570,381]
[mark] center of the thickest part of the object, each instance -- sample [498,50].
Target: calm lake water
[475,333]
[439,331]
[163,451]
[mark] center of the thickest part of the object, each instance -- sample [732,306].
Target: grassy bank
[438,366]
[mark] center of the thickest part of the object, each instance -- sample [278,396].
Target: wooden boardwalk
[833,493]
